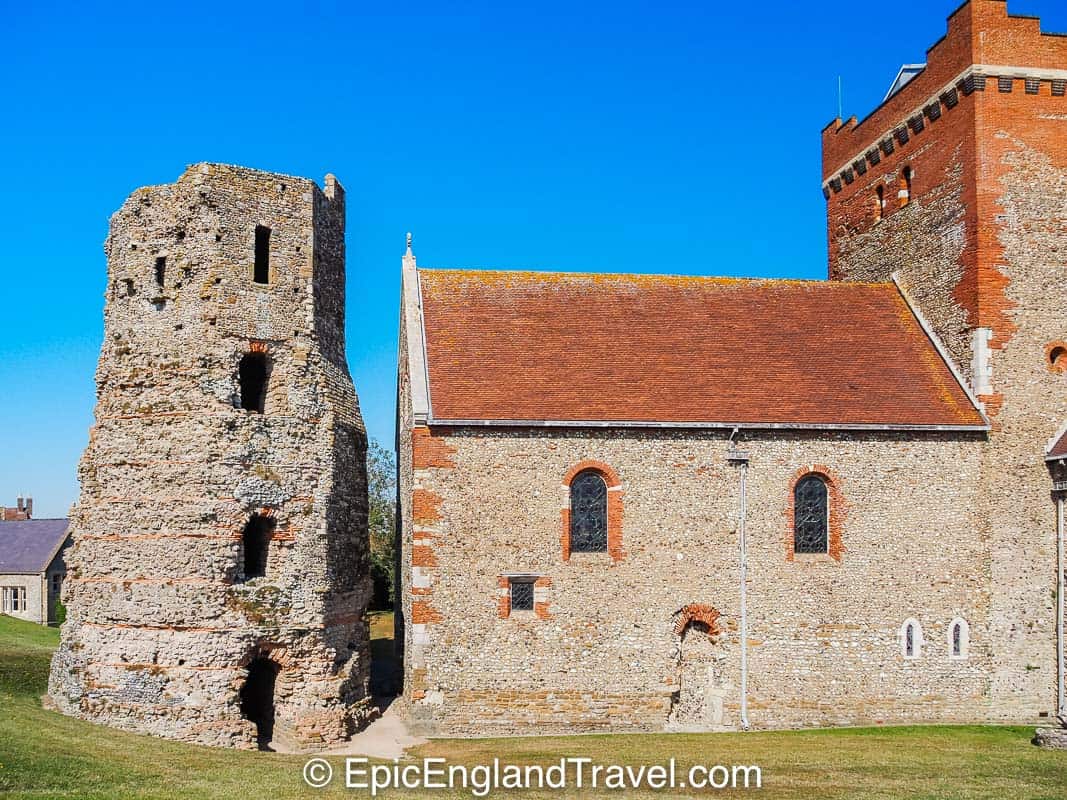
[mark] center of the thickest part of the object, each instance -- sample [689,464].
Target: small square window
[522,595]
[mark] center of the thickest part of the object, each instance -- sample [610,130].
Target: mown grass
[44,754]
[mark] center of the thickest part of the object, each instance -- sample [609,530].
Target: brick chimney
[23,510]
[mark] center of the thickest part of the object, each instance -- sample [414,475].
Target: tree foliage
[381,518]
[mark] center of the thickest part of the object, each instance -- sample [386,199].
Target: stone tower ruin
[219,575]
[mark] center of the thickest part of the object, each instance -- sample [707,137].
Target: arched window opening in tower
[257,699]
[261,273]
[253,374]
[161,271]
[879,203]
[905,187]
[811,518]
[255,546]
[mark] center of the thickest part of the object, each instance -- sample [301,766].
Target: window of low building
[13,599]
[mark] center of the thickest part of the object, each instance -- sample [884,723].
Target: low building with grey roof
[32,568]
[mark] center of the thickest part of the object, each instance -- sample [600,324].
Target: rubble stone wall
[609,644]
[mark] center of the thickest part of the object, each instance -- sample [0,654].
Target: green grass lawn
[44,754]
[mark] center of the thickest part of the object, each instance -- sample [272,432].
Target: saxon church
[645,502]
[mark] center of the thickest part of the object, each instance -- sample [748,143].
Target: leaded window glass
[522,595]
[957,639]
[811,517]
[589,513]
[909,640]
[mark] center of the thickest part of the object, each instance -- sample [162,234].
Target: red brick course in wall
[422,612]
[429,451]
[541,606]
[504,597]
[838,511]
[615,495]
[425,506]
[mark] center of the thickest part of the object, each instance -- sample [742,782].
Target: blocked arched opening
[878,204]
[257,699]
[699,700]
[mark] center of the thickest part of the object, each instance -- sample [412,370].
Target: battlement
[984,44]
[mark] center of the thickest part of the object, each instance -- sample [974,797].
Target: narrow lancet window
[911,639]
[161,270]
[958,636]
[811,515]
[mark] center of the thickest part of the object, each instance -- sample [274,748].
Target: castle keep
[218,578]
[635,502]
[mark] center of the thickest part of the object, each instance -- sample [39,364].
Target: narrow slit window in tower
[253,373]
[905,187]
[261,273]
[255,541]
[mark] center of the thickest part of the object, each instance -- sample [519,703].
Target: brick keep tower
[957,183]
[218,578]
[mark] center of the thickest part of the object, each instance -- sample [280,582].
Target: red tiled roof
[513,346]
[1059,450]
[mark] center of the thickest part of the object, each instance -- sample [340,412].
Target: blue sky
[624,136]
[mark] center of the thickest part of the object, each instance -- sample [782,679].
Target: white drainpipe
[1061,701]
[741,460]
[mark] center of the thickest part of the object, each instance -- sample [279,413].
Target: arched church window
[589,513]
[958,638]
[911,639]
[811,518]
